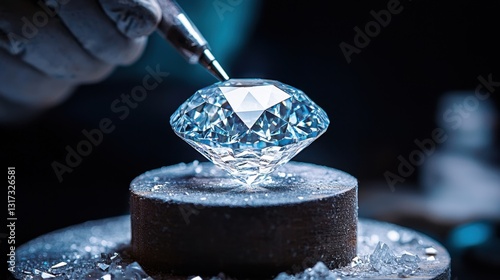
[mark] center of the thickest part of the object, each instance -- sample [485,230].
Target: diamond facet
[249,127]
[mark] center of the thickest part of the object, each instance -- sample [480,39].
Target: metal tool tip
[218,71]
[208,61]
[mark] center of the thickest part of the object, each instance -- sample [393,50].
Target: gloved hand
[49,47]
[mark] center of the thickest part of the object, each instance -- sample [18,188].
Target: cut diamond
[249,127]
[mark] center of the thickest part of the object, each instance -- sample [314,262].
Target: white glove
[49,47]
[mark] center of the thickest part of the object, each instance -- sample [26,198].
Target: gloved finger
[26,86]
[134,18]
[46,44]
[97,33]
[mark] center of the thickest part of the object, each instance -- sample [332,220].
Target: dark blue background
[378,104]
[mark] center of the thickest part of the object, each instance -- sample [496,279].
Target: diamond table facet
[249,127]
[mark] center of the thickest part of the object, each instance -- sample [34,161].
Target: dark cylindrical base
[194,219]
[75,252]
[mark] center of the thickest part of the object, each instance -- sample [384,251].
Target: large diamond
[249,127]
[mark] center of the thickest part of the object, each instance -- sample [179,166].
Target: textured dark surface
[194,218]
[81,246]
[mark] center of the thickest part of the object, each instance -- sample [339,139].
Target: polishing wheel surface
[80,251]
[194,217]
[203,183]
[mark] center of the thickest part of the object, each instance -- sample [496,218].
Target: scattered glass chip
[393,235]
[103,266]
[431,251]
[46,275]
[58,265]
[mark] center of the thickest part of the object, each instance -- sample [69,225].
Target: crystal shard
[249,127]
[383,259]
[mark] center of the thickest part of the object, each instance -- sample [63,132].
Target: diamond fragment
[383,259]
[249,127]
